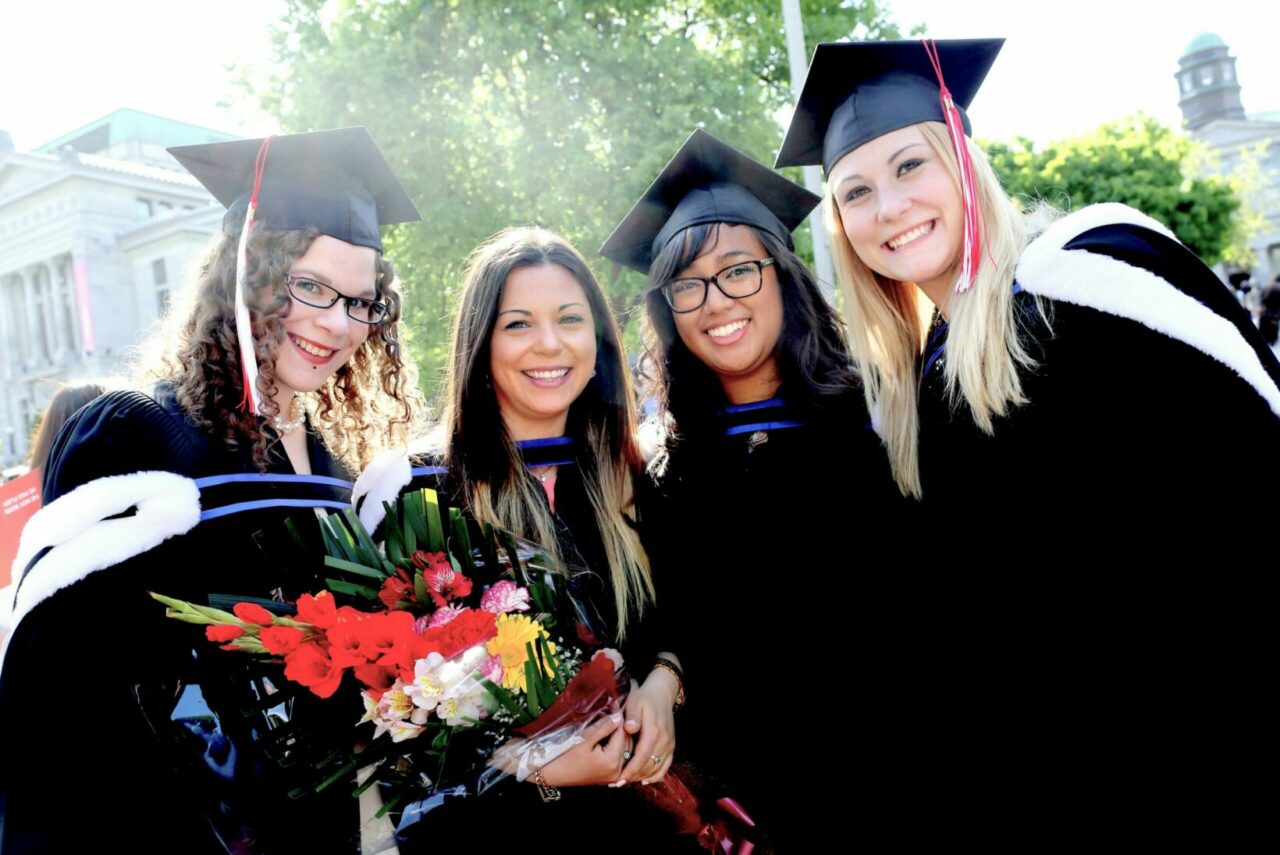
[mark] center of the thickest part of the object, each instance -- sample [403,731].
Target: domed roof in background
[1204,41]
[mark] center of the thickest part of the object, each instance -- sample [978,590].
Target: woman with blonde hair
[1080,398]
[538,437]
[284,376]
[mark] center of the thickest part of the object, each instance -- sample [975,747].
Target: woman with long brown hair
[62,406]
[538,437]
[250,415]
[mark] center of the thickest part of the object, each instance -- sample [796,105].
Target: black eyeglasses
[735,282]
[318,295]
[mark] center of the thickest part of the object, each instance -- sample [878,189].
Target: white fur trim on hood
[388,474]
[380,482]
[1100,282]
[84,539]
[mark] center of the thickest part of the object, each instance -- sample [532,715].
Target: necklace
[547,472]
[283,425]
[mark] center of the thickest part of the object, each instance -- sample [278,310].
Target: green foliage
[556,113]
[1137,161]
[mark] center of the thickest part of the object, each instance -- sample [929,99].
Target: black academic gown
[585,819]
[759,532]
[141,735]
[1086,659]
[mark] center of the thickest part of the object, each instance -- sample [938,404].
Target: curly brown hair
[199,353]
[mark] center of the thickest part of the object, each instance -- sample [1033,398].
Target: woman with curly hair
[283,375]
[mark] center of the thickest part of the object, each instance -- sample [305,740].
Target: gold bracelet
[545,790]
[674,672]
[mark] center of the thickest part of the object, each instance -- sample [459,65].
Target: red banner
[19,499]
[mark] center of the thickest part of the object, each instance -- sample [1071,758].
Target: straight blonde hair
[888,322]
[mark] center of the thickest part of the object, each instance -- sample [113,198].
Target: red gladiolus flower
[319,610]
[253,613]
[281,640]
[379,678]
[343,640]
[223,633]
[389,634]
[309,666]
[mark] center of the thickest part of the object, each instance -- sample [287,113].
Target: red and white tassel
[251,399]
[973,224]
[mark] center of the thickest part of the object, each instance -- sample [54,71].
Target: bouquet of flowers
[471,657]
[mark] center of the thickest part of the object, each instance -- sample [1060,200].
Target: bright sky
[1066,68]
[65,63]
[1069,66]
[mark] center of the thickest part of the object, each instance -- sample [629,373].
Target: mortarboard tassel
[973,225]
[251,399]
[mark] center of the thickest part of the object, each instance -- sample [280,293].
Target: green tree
[1137,161]
[557,113]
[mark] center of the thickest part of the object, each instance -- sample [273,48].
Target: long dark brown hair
[481,454]
[62,406]
[813,357]
[199,353]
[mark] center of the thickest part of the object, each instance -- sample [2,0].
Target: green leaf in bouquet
[408,535]
[545,658]
[435,528]
[513,554]
[542,601]
[414,508]
[489,550]
[368,782]
[370,555]
[462,542]
[533,681]
[346,769]
[295,537]
[392,803]
[420,587]
[393,538]
[354,567]
[337,541]
[338,586]
[507,700]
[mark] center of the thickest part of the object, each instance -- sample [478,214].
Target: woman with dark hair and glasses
[767,452]
[281,376]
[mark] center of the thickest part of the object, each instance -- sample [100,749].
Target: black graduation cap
[857,91]
[707,181]
[335,181]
